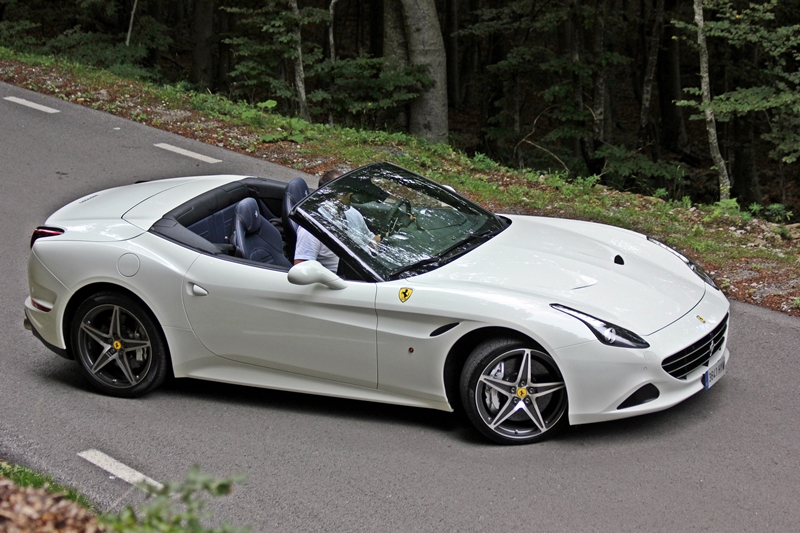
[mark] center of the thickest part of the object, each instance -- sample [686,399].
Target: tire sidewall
[158,366]
[476,363]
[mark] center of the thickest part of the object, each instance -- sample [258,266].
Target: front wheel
[118,345]
[512,393]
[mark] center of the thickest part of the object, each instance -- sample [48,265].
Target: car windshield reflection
[397,223]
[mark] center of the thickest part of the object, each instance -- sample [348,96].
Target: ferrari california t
[528,324]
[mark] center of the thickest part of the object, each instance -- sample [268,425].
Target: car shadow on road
[313,405]
[679,418]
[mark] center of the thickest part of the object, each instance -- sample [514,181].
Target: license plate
[714,373]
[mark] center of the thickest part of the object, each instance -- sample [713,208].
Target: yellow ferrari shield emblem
[701,319]
[405,294]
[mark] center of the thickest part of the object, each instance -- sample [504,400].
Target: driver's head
[329,176]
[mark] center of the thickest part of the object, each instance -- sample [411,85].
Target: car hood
[611,273]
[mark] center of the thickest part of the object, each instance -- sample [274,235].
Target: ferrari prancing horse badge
[405,294]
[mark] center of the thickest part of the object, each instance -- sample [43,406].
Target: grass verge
[25,477]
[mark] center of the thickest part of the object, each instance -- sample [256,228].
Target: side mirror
[309,272]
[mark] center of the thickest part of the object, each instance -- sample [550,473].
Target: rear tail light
[43,231]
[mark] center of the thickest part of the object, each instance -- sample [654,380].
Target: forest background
[604,88]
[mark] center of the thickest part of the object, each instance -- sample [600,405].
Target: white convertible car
[527,323]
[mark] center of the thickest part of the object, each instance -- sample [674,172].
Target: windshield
[396,222]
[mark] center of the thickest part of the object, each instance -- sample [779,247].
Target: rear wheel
[513,393]
[118,345]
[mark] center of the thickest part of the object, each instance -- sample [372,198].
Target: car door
[252,314]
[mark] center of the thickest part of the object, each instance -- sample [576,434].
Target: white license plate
[714,373]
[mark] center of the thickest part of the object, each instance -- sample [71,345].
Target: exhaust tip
[27,324]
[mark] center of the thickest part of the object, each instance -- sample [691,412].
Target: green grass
[25,477]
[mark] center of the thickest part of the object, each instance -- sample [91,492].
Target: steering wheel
[395,215]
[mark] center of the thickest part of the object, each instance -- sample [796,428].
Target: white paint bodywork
[229,321]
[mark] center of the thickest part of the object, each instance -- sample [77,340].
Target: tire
[504,401]
[118,345]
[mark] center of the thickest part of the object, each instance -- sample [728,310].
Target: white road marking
[117,469]
[26,103]
[187,153]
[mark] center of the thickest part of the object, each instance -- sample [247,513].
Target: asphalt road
[725,460]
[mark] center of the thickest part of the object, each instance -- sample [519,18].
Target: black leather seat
[296,190]
[255,238]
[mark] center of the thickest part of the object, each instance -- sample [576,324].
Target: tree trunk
[451,40]
[745,179]
[711,127]
[428,117]
[376,28]
[202,57]
[331,43]
[600,89]
[395,45]
[670,89]
[226,21]
[299,74]
[650,69]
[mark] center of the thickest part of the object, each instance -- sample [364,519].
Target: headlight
[697,269]
[606,332]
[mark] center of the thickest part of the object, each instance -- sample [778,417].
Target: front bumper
[601,378]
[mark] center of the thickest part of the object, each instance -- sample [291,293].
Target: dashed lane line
[187,153]
[117,469]
[32,105]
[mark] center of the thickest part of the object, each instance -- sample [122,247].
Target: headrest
[247,213]
[297,189]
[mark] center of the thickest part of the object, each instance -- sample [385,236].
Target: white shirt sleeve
[309,248]
[358,227]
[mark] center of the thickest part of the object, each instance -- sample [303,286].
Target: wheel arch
[95,288]
[461,350]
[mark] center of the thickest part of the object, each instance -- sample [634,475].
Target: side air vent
[443,329]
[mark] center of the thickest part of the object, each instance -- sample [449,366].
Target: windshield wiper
[418,264]
[437,259]
[472,237]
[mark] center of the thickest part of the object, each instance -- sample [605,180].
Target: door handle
[197,290]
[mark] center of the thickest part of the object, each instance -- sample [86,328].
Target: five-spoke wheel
[512,393]
[118,345]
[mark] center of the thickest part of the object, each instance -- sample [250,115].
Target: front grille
[698,354]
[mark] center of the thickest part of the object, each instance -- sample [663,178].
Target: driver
[309,248]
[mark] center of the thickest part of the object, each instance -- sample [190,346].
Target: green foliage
[774,81]
[265,44]
[724,207]
[483,163]
[92,32]
[292,129]
[624,168]
[777,213]
[370,90]
[24,477]
[18,34]
[175,508]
